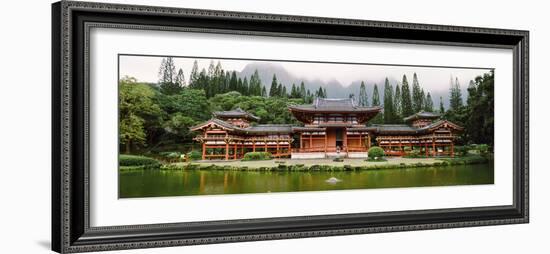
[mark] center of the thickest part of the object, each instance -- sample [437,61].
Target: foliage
[135,107]
[406,103]
[363,99]
[376,152]
[338,159]
[194,155]
[389,113]
[455,100]
[378,119]
[417,95]
[256,156]
[136,160]
[428,103]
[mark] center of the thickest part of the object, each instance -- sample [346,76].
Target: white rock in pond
[333,180]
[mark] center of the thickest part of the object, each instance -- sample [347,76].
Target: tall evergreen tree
[363,98]
[294,93]
[284,94]
[273,89]
[379,118]
[389,113]
[397,103]
[263,93]
[417,96]
[180,79]
[406,103]
[441,107]
[428,104]
[167,77]
[325,92]
[194,76]
[303,90]
[256,84]
[455,99]
[234,82]
[245,87]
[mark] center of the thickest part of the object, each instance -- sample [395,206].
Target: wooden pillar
[204,150]
[301,140]
[346,139]
[310,140]
[277,151]
[226,150]
[433,147]
[265,145]
[326,141]
[254,145]
[426,147]
[235,151]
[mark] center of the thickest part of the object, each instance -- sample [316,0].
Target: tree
[363,98]
[135,104]
[389,114]
[194,76]
[406,104]
[273,89]
[417,96]
[294,92]
[441,107]
[180,79]
[256,84]
[397,103]
[303,90]
[244,89]
[428,104]
[455,99]
[379,118]
[479,120]
[167,76]
[320,93]
[264,92]
[284,94]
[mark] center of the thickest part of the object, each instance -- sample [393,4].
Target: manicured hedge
[194,155]
[127,160]
[376,151]
[257,156]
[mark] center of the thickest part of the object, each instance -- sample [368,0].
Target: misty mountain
[334,88]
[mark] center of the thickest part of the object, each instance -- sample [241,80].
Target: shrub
[338,159]
[376,152]
[194,155]
[257,156]
[137,161]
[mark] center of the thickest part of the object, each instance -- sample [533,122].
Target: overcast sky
[145,69]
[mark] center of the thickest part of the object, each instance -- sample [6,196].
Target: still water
[158,183]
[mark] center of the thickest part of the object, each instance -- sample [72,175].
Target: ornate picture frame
[71,24]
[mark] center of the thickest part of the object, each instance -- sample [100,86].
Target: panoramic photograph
[210,126]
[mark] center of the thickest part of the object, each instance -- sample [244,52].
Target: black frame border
[71,22]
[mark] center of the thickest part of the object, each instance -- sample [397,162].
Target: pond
[158,183]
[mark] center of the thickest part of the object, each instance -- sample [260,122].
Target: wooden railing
[329,149]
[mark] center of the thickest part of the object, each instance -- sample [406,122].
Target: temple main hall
[330,127]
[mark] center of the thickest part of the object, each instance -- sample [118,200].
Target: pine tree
[273,89]
[428,104]
[406,104]
[417,97]
[167,76]
[180,79]
[397,103]
[379,118]
[363,98]
[455,100]
[303,94]
[389,114]
[441,107]
[239,85]
[194,76]
[255,84]
[294,92]
[245,87]
[263,93]
[325,92]
[284,94]
[233,82]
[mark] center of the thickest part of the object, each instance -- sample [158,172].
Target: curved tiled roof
[421,115]
[238,112]
[334,105]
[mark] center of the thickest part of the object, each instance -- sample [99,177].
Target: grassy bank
[326,164]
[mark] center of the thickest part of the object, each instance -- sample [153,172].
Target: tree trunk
[128,145]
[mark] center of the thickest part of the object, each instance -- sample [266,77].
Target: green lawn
[311,162]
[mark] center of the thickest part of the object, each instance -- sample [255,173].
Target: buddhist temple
[331,127]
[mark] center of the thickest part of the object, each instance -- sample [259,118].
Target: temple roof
[235,113]
[262,128]
[407,129]
[334,105]
[421,115]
